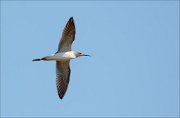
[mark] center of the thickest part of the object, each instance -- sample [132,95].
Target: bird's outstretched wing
[62,77]
[68,36]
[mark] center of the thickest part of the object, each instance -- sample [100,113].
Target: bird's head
[78,54]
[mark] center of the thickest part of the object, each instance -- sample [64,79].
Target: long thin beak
[85,55]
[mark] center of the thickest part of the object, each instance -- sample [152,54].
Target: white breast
[63,56]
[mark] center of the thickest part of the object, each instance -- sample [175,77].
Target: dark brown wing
[62,77]
[68,36]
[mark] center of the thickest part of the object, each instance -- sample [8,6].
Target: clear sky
[133,71]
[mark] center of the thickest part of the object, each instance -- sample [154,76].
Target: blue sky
[133,71]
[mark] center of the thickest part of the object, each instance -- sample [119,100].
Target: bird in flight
[63,56]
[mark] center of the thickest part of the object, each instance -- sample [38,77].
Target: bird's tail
[36,59]
[47,58]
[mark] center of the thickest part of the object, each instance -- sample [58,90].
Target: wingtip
[61,97]
[71,18]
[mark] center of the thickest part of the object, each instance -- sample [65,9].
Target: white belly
[61,56]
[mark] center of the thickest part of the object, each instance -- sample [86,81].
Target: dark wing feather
[62,77]
[68,36]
